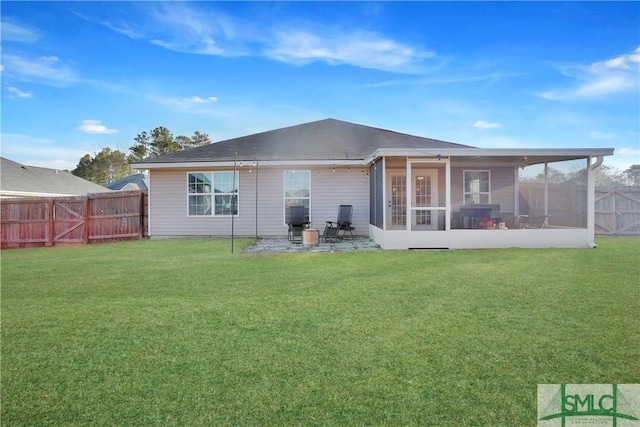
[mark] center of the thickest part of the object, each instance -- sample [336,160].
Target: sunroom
[483,198]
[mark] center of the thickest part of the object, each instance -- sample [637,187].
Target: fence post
[614,214]
[87,219]
[51,229]
[141,229]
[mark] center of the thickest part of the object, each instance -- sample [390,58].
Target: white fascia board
[198,165]
[386,152]
[490,152]
[25,194]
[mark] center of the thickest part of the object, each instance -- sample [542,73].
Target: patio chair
[336,230]
[297,222]
[528,221]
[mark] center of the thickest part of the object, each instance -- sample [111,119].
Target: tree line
[111,165]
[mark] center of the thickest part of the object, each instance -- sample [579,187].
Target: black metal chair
[297,222]
[528,221]
[336,230]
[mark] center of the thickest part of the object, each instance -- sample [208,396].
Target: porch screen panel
[531,184]
[556,195]
[567,193]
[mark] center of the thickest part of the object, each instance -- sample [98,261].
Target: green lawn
[182,332]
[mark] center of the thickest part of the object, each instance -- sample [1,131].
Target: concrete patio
[275,245]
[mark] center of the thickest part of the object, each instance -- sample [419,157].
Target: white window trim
[213,194]
[284,193]
[464,192]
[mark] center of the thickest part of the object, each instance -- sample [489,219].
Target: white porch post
[516,195]
[384,190]
[447,201]
[546,189]
[408,196]
[591,199]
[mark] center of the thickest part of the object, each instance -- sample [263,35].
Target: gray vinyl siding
[169,214]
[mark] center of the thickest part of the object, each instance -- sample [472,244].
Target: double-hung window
[212,193]
[477,188]
[297,191]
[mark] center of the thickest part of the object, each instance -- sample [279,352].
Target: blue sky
[81,76]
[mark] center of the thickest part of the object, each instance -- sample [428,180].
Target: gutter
[262,163]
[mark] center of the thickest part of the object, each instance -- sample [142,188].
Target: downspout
[591,203]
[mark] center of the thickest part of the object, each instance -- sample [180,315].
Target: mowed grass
[182,332]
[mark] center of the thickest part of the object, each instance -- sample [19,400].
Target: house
[17,180]
[406,191]
[135,182]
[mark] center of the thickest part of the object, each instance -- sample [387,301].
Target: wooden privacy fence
[60,221]
[618,211]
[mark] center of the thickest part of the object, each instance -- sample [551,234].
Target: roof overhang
[517,156]
[531,155]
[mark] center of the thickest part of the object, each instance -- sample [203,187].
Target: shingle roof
[327,139]
[137,181]
[18,178]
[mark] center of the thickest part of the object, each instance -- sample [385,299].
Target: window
[423,198]
[297,191]
[213,193]
[476,187]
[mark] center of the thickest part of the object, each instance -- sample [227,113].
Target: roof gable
[136,181]
[327,139]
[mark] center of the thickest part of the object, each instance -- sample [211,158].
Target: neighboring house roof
[138,181]
[327,139]
[17,180]
[334,141]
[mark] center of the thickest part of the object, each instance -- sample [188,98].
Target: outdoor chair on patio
[528,221]
[336,230]
[297,222]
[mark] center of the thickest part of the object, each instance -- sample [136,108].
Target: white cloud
[182,28]
[193,104]
[623,157]
[495,142]
[361,49]
[198,100]
[609,77]
[94,126]
[19,93]
[45,69]
[18,33]
[188,28]
[601,135]
[482,124]
[625,151]
[34,151]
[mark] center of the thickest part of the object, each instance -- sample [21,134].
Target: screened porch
[447,202]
